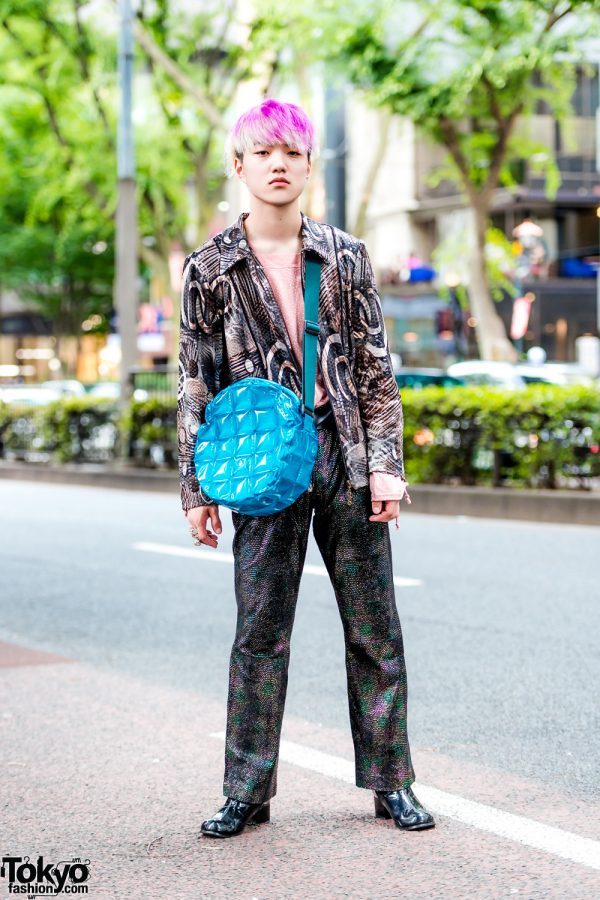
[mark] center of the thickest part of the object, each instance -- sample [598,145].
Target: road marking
[555,841]
[221,557]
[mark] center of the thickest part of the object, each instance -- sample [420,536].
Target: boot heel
[380,811]
[262,815]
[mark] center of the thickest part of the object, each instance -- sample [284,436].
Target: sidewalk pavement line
[520,829]
[220,556]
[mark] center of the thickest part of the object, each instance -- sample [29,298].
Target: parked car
[68,387]
[554,373]
[420,378]
[481,371]
[111,390]
[28,394]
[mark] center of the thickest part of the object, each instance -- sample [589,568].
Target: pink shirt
[284,274]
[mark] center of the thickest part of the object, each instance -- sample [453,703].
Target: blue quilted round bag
[256,450]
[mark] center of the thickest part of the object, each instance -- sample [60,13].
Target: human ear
[238,165]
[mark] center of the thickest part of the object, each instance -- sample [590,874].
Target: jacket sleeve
[378,395]
[200,359]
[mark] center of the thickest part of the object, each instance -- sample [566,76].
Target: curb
[527,504]
[564,506]
[127,478]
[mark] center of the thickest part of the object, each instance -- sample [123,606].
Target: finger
[215,520]
[206,537]
[382,517]
[385,513]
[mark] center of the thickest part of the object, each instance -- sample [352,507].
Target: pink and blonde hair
[271,122]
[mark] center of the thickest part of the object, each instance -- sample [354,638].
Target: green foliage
[462,71]
[56,189]
[58,168]
[528,437]
[79,428]
[149,430]
[73,429]
[452,256]
[540,436]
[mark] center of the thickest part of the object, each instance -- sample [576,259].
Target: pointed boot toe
[233,817]
[404,808]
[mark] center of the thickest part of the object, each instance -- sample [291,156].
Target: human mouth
[279,181]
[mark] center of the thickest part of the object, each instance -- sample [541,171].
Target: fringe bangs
[271,122]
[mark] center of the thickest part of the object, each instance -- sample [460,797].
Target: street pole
[126,248]
[598,207]
[335,153]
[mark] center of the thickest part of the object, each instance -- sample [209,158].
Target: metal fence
[159,382]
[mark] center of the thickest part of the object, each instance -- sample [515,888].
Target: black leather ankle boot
[233,816]
[404,808]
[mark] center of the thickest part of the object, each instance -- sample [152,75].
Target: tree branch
[494,105]
[175,71]
[499,150]
[371,175]
[41,70]
[555,17]
[81,56]
[450,135]
[84,42]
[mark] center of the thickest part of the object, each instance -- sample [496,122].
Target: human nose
[278,161]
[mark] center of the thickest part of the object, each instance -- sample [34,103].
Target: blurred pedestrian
[242,314]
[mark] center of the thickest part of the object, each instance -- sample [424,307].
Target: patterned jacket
[232,328]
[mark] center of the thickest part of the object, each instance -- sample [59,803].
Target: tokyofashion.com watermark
[33,879]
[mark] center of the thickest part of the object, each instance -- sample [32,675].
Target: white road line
[220,557]
[555,841]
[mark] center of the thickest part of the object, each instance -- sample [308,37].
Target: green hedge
[73,429]
[149,428]
[482,435]
[541,436]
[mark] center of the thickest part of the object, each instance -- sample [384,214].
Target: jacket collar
[234,246]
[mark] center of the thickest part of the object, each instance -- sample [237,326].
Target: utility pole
[598,170]
[334,155]
[126,249]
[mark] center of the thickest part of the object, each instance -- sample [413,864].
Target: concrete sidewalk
[107,768]
[568,506]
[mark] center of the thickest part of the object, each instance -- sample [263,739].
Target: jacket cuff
[384,486]
[193,496]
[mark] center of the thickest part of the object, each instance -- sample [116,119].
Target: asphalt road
[502,638]
[502,630]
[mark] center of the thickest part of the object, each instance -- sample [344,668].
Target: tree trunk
[375,163]
[492,339]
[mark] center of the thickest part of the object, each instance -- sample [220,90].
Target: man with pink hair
[242,314]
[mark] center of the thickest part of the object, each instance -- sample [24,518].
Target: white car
[68,387]
[111,390]
[28,395]
[554,373]
[481,371]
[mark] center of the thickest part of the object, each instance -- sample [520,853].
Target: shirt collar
[234,246]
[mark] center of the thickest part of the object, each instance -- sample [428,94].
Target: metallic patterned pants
[269,556]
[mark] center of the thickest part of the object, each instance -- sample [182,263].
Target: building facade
[408,218]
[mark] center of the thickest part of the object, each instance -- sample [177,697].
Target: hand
[384,510]
[198,518]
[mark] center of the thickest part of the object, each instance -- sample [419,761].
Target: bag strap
[311,330]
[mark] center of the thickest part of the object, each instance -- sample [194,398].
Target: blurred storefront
[408,218]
